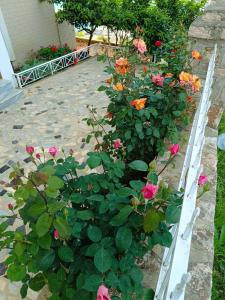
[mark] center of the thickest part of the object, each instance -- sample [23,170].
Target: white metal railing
[51,67]
[174,273]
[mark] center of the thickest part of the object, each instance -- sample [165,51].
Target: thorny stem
[166,165]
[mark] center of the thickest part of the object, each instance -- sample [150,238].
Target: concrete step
[12,97]
[5,87]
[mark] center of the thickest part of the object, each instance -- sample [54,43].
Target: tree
[85,15]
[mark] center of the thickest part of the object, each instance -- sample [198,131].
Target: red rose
[158,43]
[10,206]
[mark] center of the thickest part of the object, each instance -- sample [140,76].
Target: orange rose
[196,83]
[185,77]
[122,65]
[139,103]
[196,55]
[118,87]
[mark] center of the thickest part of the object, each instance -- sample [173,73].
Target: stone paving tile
[50,114]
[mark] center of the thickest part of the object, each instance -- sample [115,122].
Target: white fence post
[173,275]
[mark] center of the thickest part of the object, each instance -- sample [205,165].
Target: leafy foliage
[94,219]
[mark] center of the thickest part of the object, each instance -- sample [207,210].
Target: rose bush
[149,101]
[85,233]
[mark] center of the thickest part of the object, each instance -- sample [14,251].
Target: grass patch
[219,241]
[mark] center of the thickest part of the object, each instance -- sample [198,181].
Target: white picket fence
[174,274]
[51,67]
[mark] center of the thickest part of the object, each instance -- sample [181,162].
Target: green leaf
[156,132]
[124,238]
[149,294]
[97,198]
[102,260]
[66,254]
[43,224]
[91,250]
[153,178]
[37,282]
[92,283]
[63,228]
[77,198]
[85,215]
[173,213]
[122,216]
[152,220]
[23,290]
[55,183]
[94,233]
[76,230]
[16,272]
[37,208]
[136,274]
[112,280]
[137,185]
[138,165]
[45,241]
[55,207]
[80,281]
[70,293]
[125,192]
[94,160]
[49,170]
[46,259]
[19,248]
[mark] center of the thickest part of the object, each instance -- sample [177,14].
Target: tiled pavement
[50,114]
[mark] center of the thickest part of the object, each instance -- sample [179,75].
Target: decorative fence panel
[174,273]
[51,67]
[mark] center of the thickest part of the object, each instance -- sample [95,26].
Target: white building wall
[31,24]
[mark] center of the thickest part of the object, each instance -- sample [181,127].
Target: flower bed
[87,228]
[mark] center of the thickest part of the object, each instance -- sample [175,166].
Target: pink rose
[56,234]
[149,191]
[202,180]
[103,293]
[140,45]
[53,151]
[174,149]
[30,149]
[158,80]
[117,144]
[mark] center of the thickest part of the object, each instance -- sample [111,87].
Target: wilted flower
[149,191]
[140,45]
[196,55]
[139,103]
[10,206]
[108,81]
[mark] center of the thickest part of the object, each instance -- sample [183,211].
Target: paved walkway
[50,114]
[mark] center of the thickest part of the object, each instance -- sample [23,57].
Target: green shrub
[85,230]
